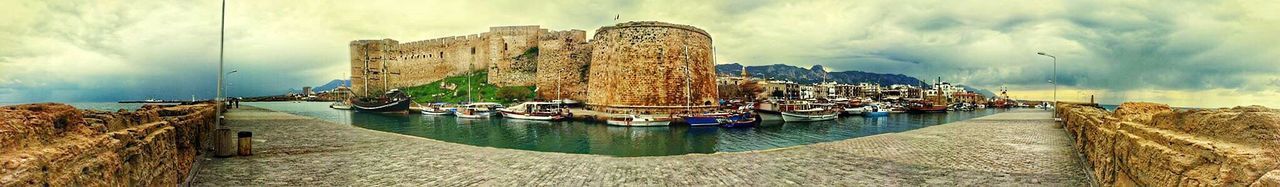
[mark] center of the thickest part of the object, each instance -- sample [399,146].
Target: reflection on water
[597,138]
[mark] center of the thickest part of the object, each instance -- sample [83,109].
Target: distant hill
[331,85]
[815,74]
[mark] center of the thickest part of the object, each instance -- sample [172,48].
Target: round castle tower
[651,67]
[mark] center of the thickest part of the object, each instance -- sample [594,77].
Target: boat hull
[636,123]
[791,117]
[516,115]
[398,106]
[854,111]
[475,115]
[340,107]
[437,112]
[875,114]
[702,120]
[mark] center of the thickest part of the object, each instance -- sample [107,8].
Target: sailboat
[704,119]
[343,102]
[474,110]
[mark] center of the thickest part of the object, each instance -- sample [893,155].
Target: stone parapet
[57,145]
[1147,144]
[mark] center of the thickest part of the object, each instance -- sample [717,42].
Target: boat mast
[470,65]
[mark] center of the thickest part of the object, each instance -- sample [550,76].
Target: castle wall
[651,67]
[513,62]
[563,59]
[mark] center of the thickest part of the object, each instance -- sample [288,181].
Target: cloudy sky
[1186,53]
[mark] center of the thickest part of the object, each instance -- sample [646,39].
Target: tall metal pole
[221,39]
[1055,83]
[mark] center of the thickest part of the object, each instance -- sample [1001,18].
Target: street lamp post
[1055,83]
[225,87]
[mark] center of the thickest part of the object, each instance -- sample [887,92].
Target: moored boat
[438,109]
[855,110]
[705,119]
[638,121]
[741,120]
[814,114]
[392,101]
[875,111]
[477,110]
[543,111]
[340,105]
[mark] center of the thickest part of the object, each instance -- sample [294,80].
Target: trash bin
[245,139]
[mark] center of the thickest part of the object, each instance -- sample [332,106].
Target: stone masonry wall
[647,66]
[421,62]
[1147,144]
[563,60]
[57,145]
[506,46]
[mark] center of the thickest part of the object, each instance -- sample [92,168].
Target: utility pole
[1054,82]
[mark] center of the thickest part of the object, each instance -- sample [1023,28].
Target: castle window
[504,46]
[473,50]
[442,54]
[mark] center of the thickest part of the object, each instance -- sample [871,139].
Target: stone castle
[643,67]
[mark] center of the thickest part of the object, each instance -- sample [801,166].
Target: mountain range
[333,84]
[815,74]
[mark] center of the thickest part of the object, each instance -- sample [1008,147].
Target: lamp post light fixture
[1055,83]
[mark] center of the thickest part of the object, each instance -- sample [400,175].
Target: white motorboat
[814,114]
[638,121]
[543,111]
[855,110]
[477,110]
[438,109]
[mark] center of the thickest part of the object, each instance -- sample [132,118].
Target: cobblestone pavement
[1015,148]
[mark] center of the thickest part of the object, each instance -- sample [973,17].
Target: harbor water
[601,139]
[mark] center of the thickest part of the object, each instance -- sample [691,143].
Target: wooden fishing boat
[814,114]
[392,101]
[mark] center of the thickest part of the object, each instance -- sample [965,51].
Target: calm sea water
[598,138]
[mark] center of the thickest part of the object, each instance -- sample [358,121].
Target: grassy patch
[481,90]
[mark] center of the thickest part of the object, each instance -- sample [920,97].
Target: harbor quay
[1019,147]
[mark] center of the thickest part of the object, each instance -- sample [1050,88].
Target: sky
[1184,53]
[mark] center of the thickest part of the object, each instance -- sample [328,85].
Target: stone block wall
[513,61]
[651,66]
[1147,144]
[563,60]
[57,145]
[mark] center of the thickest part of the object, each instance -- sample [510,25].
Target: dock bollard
[245,139]
[225,145]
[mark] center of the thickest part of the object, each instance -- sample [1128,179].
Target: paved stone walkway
[1016,148]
